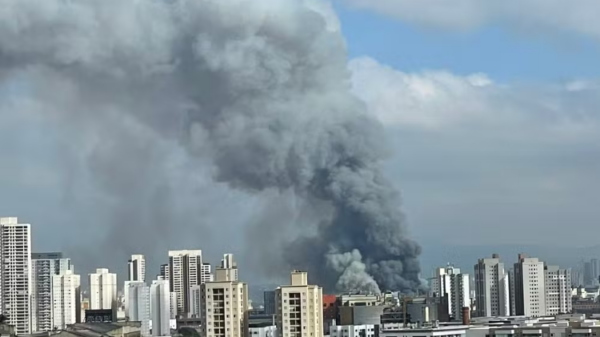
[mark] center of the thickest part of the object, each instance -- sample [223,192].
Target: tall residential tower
[185,271]
[16,273]
[492,295]
[44,267]
[224,304]
[103,289]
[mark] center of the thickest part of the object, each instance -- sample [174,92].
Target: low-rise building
[366,330]
[432,331]
[262,330]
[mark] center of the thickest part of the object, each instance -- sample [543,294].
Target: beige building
[224,306]
[299,311]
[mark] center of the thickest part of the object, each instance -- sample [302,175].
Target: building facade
[136,268]
[139,305]
[103,289]
[299,307]
[66,299]
[492,295]
[206,274]
[269,302]
[16,273]
[449,280]
[196,301]
[263,331]
[530,287]
[44,267]
[558,290]
[185,271]
[160,307]
[366,330]
[224,305]
[228,262]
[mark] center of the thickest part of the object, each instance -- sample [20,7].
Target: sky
[496,127]
[492,113]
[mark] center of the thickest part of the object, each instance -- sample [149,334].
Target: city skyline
[511,132]
[363,167]
[574,260]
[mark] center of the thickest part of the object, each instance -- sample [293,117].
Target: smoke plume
[257,89]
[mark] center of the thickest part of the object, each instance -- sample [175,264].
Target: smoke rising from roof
[258,90]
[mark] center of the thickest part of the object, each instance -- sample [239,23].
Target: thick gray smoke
[260,88]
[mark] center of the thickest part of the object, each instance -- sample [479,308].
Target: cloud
[427,100]
[577,16]
[488,159]
[435,100]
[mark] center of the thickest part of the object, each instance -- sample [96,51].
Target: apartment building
[449,280]
[530,287]
[224,305]
[139,305]
[558,290]
[16,273]
[492,295]
[299,310]
[103,289]
[160,307]
[44,267]
[184,271]
[136,268]
[66,299]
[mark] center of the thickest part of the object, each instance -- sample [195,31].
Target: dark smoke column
[261,89]
[286,119]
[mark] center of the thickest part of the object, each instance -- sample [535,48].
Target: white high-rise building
[530,280]
[136,272]
[185,271]
[44,267]
[16,273]
[492,295]
[137,268]
[103,290]
[229,263]
[161,303]
[206,274]
[449,280]
[299,307]
[224,304]
[164,271]
[66,299]
[139,305]
[558,290]
[228,268]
